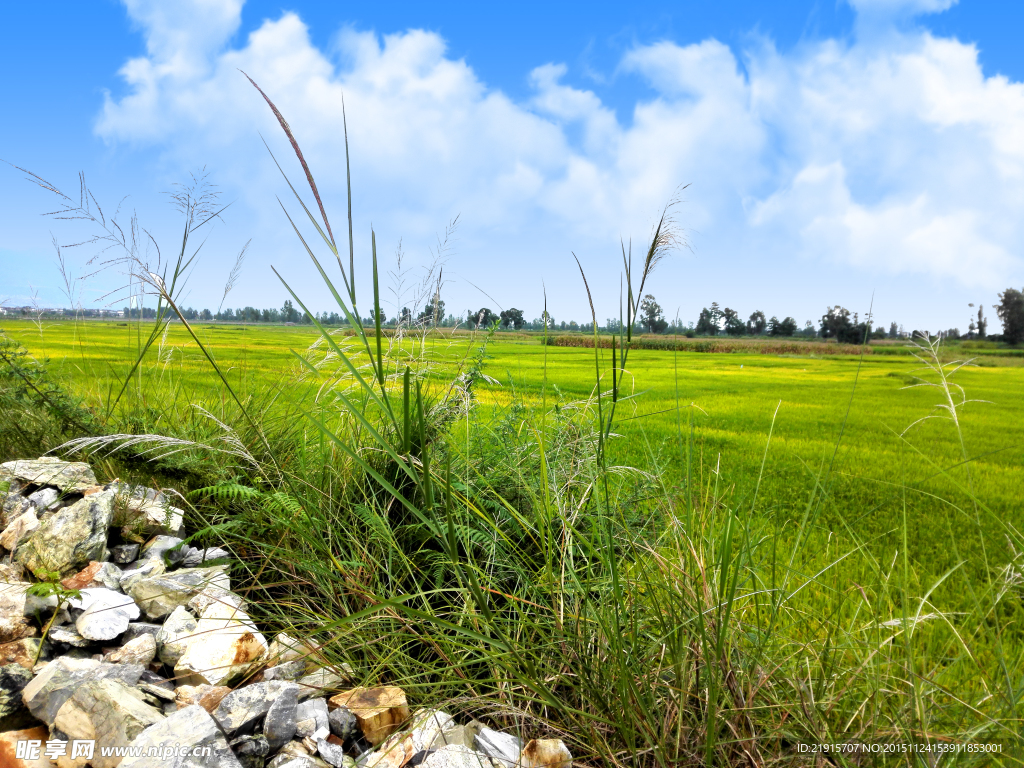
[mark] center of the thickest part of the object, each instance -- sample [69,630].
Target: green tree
[513,317]
[757,323]
[707,324]
[288,312]
[652,318]
[483,317]
[433,312]
[1011,313]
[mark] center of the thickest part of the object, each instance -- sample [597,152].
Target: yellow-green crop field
[835,423]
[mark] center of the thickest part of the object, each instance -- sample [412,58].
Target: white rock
[503,748]
[106,613]
[545,753]
[57,680]
[230,644]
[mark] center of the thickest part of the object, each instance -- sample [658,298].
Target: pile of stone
[136,639]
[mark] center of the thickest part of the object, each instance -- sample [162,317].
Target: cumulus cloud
[892,158]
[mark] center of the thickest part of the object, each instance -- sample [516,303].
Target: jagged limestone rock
[70,538]
[108,711]
[280,723]
[57,680]
[241,709]
[141,650]
[64,475]
[157,596]
[230,644]
[191,728]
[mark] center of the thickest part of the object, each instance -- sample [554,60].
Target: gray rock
[196,557]
[70,539]
[310,717]
[68,636]
[251,751]
[65,475]
[334,755]
[140,570]
[290,670]
[191,728]
[139,628]
[55,683]
[109,712]
[160,546]
[240,710]
[503,748]
[343,723]
[279,726]
[14,623]
[419,757]
[44,498]
[284,648]
[123,554]
[456,756]
[13,679]
[172,639]
[159,595]
[106,613]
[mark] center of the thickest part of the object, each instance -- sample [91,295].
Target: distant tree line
[836,323]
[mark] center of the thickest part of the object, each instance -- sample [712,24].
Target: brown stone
[379,711]
[9,748]
[206,696]
[210,700]
[84,577]
[19,652]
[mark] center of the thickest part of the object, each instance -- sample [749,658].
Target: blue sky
[835,151]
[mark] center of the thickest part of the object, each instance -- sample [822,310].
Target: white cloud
[892,156]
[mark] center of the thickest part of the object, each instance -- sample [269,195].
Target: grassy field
[877,526]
